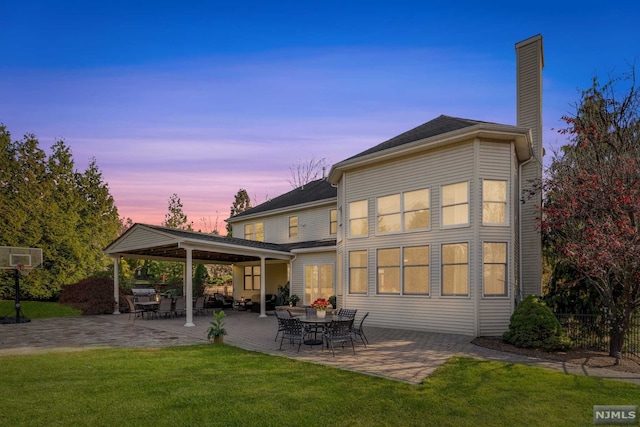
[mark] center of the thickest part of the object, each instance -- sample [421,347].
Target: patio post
[116,285]
[189,291]
[262,288]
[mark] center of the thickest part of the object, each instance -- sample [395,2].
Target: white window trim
[506,271]
[348,263]
[507,205]
[442,206]
[402,267]
[304,275]
[359,236]
[468,296]
[297,227]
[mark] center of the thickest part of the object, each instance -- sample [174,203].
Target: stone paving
[402,355]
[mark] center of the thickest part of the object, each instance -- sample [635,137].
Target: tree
[241,203]
[176,218]
[304,172]
[46,203]
[592,209]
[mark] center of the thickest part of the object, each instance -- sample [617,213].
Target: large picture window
[252,278]
[455,269]
[416,270]
[455,204]
[494,202]
[318,282]
[358,218]
[358,272]
[403,211]
[389,271]
[494,269]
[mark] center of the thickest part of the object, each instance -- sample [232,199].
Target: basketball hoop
[23,270]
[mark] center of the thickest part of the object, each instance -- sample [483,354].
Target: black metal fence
[591,332]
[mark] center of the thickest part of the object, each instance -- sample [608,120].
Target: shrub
[533,325]
[93,296]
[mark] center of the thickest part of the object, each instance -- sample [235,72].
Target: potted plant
[217,330]
[293,300]
[321,305]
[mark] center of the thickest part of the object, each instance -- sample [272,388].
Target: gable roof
[314,191]
[442,130]
[438,126]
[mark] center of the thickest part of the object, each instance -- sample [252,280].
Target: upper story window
[494,202]
[403,211]
[455,269]
[333,221]
[254,231]
[358,218]
[293,226]
[455,204]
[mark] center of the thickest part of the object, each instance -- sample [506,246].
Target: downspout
[519,296]
[291,261]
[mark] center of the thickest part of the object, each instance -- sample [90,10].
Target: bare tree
[306,171]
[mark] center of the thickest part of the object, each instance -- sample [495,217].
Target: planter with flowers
[321,305]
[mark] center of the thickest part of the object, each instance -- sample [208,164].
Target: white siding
[313,224]
[143,238]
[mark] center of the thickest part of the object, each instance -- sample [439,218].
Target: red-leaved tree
[592,202]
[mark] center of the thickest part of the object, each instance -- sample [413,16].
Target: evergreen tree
[241,203]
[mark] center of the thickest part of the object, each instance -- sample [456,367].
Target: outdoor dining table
[318,321]
[148,306]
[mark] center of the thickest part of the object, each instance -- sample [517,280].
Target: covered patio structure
[150,242]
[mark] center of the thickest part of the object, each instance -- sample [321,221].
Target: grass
[223,385]
[37,309]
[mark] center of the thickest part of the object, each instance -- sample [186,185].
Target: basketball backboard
[11,257]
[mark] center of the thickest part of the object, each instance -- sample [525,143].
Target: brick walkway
[402,355]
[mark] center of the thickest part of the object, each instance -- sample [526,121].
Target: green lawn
[37,309]
[227,386]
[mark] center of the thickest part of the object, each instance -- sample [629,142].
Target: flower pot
[218,339]
[321,314]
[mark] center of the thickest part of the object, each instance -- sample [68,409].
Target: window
[318,282]
[333,221]
[403,211]
[494,202]
[455,204]
[494,269]
[358,218]
[293,226]
[416,270]
[252,278]
[455,269]
[416,209]
[254,232]
[358,272]
[389,271]
[389,214]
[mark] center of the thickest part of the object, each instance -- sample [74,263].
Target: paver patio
[402,355]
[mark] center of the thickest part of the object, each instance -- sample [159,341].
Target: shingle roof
[313,191]
[438,126]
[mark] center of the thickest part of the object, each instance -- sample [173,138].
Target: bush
[93,296]
[533,325]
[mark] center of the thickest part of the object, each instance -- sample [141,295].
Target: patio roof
[144,241]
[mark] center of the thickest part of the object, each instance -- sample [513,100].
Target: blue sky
[202,98]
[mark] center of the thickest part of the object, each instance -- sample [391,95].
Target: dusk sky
[202,98]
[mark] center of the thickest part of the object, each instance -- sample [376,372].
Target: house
[427,230]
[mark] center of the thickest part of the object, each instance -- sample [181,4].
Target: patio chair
[198,308]
[345,312]
[358,331]
[339,332]
[133,309]
[281,314]
[165,309]
[180,307]
[293,331]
